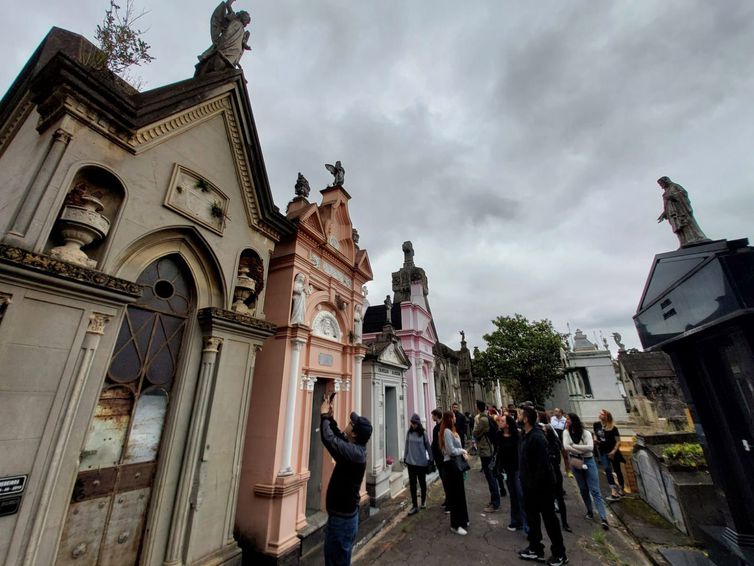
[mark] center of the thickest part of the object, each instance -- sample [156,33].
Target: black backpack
[493,432]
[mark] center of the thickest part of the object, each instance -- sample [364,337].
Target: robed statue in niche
[678,212]
[229,39]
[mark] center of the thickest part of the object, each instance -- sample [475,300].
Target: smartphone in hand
[332,396]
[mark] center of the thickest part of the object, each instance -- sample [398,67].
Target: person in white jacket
[579,444]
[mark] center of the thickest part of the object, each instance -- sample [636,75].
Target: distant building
[447,378]
[591,382]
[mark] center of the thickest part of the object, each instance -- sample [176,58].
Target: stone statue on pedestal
[229,40]
[337,172]
[678,212]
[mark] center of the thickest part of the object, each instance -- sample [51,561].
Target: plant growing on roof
[688,455]
[120,42]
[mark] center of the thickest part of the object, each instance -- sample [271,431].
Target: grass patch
[639,508]
[599,546]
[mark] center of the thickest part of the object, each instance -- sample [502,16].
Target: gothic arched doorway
[109,504]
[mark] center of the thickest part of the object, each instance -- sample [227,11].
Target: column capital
[298,343]
[62,135]
[97,323]
[212,344]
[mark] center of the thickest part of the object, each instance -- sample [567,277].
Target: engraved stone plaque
[196,198]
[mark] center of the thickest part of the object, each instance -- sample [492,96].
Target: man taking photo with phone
[348,449]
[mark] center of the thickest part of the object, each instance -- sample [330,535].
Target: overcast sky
[517,145]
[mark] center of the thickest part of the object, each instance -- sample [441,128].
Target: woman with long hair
[580,447]
[608,440]
[416,457]
[508,457]
[450,444]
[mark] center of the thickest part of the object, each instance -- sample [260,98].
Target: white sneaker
[459,531]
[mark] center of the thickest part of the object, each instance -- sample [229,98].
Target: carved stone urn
[245,289]
[80,224]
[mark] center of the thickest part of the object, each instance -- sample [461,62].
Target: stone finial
[408,254]
[338,173]
[302,187]
[388,309]
[676,209]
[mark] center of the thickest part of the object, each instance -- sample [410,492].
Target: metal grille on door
[108,510]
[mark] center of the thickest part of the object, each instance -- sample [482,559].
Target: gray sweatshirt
[452,445]
[417,449]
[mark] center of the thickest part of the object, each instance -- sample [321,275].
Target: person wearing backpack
[554,450]
[485,429]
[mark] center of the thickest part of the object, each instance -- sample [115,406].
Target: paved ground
[425,538]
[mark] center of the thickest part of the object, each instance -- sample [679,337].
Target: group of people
[520,452]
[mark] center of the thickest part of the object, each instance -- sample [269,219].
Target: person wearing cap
[416,457]
[348,449]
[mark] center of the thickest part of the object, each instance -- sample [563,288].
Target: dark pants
[420,473]
[559,495]
[489,475]
[339,538]
[538,503]
[456,495]
[441,473]
[518,517]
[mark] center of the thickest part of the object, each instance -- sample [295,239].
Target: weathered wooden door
[316,451]
[108,510]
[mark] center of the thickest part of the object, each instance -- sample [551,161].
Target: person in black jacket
[538,481]
[348,449]
[461,423]
[437,452]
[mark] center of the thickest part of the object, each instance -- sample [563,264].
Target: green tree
[524,355]
[120,42]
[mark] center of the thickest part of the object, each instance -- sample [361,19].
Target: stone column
[358,359]
[188,486]
[30,201]
[94,332]
[290,409]
[421,405]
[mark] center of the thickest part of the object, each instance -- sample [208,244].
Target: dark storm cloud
[516,145]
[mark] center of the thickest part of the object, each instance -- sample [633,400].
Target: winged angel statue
[229,39]
[336,171]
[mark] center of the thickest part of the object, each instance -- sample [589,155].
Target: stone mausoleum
[136,234]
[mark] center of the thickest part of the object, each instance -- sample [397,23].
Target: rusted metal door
[109,504]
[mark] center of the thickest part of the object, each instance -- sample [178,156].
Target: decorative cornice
[65,100]
[208,314]
[16,119]
[45,264]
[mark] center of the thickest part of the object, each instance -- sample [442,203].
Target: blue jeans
[340,535]
[611,466]
[489,475]
[589,486]
[518,517]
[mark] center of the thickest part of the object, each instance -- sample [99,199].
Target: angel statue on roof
[229,39]
[338,172]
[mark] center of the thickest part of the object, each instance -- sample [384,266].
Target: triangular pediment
[312,221]
[394,355]
[363,265]
[56,82]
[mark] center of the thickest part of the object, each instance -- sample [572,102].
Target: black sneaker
[589,517]
[513,527]
[413,511]
[529,554]
[557,560]
[605,525]
[567,529]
